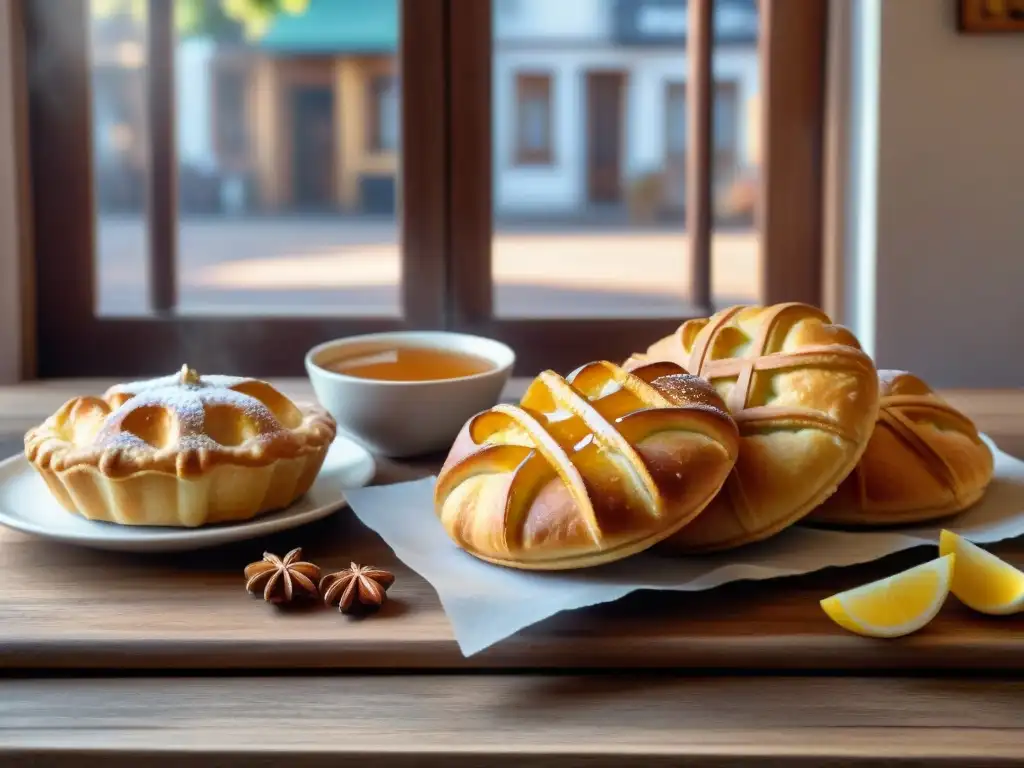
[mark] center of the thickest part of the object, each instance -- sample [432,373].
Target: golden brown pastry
[182,450]
[805,397]
[588,469]
[924,461]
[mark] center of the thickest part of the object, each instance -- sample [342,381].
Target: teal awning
[336,26]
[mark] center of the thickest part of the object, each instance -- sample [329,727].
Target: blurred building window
[676,117]
[533,120]
[383,112]
[230,116]
[675,146]
[726,136]
[725,115]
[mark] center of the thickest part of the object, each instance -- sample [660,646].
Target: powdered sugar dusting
[123,440]
[213,381]
[187,399]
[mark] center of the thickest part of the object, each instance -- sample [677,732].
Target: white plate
[26,505]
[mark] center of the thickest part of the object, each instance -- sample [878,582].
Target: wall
[193,94]
[949,275]
[353,156]
[265,102]
[577,20]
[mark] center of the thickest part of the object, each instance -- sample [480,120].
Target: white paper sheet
[487,603]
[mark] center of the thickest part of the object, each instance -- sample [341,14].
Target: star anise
[282,579]
[358,588]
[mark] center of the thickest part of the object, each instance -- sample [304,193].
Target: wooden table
[131,660]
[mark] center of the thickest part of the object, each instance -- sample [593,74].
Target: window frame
[792,39]
[72,341]
[446,201]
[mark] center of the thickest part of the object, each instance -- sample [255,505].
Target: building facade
[305,118]
[589,99]
[590,103]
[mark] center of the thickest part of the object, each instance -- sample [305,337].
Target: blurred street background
[289,147]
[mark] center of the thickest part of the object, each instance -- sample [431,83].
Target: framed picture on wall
[986,16]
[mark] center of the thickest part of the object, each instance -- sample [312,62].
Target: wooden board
[64,607]
[508,720]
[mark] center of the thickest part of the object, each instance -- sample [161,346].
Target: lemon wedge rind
[982,581]
[897,605]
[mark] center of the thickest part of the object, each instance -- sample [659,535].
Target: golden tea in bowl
[408,363]
[408,393]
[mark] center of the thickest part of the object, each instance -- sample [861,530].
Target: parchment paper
[487,603]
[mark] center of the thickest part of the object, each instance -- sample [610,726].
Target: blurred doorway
[313,146]
[605,91]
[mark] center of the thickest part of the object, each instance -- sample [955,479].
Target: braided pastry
[924,461]
[805,398]
[587,469]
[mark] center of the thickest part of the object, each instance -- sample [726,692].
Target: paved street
[289,265]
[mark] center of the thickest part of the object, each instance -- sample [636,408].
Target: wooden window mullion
[161,144]
[699,154]
[790,207]
[470,212]
[424,173]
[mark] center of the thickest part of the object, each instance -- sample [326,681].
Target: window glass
[591,101]
[285,204]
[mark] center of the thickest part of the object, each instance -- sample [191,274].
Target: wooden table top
[512,721]
[89,639]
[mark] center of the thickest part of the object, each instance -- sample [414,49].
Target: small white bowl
[407,418]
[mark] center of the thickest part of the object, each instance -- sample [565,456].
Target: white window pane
[535,122]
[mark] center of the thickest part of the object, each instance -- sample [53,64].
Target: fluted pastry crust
[805,397]
[925,461]
[587,469]
[180,450]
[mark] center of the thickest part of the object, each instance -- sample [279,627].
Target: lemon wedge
[896,605]
[983,581]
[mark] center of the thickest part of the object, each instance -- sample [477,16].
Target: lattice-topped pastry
[181,450]
[805,397]
[925,461]
[587,469]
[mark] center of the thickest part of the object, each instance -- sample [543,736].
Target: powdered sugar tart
[183,450]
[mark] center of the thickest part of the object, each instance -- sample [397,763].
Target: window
[230,196]
[383,110]
[229,107]
[724,120]
[533,120]
[733,198]
[675,120]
